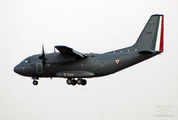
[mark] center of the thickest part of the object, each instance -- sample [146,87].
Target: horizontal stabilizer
[149,51]
[146,51]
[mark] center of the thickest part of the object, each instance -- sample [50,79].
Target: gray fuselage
[95,65]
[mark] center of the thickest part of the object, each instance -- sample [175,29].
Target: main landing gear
[72,81]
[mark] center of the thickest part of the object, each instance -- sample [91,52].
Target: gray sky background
[145,91]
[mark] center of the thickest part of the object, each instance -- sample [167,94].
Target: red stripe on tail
[162,35]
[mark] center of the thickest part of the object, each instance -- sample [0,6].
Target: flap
[69,51]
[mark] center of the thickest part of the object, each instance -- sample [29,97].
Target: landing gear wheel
[84,82]
[35,82]
[69,81]
[79,81]
[74,82]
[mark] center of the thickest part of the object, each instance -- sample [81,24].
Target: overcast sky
[146,91]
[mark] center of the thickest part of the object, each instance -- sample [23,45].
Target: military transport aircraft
[71,64]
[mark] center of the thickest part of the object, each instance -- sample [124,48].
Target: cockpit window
[26,61]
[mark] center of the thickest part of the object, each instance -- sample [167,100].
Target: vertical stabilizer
[152,35]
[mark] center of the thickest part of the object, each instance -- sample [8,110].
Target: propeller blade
[43,53]
[42,57]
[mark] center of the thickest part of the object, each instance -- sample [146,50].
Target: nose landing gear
[35,82]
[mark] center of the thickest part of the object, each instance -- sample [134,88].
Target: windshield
[26,61]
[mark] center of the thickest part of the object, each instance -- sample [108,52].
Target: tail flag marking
[160,36]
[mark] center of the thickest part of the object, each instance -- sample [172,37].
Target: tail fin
[152,35]
[150,39]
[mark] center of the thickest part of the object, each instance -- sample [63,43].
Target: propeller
[42,57]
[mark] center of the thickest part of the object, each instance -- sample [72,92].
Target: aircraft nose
[17,69]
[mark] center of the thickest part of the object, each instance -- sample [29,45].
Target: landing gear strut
[72,81]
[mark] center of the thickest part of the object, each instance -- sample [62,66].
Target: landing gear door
[39,68]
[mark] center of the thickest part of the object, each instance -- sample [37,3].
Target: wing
[69,51]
